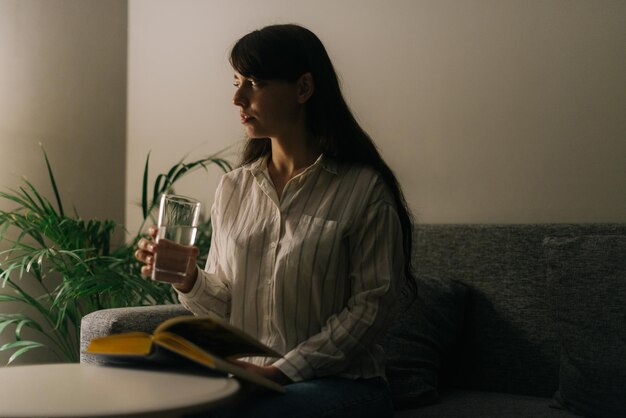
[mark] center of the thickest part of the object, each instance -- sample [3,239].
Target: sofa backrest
[509,343]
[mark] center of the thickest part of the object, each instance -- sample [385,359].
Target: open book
[207,341]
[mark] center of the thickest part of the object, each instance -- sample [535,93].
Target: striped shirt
[313,274]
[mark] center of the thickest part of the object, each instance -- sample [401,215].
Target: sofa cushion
[478,404]
[426,330]
[587,285]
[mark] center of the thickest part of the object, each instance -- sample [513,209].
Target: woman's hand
[172,257]
[269,372]
[145,252]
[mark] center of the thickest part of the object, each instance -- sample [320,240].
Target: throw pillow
[587,285]
[426,330]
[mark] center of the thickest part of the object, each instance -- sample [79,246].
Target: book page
[183,347]
[216,336]
[178,345]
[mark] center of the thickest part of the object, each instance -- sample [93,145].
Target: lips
[245,118]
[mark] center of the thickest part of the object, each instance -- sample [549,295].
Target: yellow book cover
[208,341]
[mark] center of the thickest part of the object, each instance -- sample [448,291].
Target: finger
[146,245]
[144,256]
[240,363]
[153,230]
[146,271]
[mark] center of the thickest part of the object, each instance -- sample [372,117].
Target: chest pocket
[315,246]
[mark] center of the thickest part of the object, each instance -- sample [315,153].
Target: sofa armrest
[114,321]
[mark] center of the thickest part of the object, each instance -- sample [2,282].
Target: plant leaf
[54,184]
[4,323]
[144,189]
[26,322]
[23,350]
[158,189]
[10,298]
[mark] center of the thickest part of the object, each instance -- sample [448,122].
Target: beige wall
[63,83]
[488,110]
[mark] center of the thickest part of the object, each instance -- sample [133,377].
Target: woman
[311,235]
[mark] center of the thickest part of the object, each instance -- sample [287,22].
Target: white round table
[75,390]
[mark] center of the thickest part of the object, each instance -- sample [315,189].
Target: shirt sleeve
[376,265]
[211,293]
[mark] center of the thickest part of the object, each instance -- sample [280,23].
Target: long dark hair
[286,52]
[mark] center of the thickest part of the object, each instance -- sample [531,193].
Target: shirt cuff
[295,366]
[195,290]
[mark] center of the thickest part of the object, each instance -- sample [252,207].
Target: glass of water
[178,223]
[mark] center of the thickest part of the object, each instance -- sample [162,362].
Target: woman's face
[268,108]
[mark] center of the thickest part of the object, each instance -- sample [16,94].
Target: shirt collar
[328,164]
[324,161]
[256,166]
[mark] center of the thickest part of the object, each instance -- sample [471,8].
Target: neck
[291,157]
[288,159]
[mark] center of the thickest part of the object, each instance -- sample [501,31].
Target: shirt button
[273,245]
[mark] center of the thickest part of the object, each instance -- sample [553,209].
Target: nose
[240,99]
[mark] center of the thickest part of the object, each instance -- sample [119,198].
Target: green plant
[63,267]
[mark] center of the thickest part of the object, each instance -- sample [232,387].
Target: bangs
[267,55]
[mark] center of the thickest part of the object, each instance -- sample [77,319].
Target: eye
[256,82]
[253,82]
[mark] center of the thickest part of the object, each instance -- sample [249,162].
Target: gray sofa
[506,316]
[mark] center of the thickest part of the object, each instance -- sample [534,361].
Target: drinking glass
[177,222]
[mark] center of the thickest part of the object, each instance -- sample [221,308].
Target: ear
[305,87]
